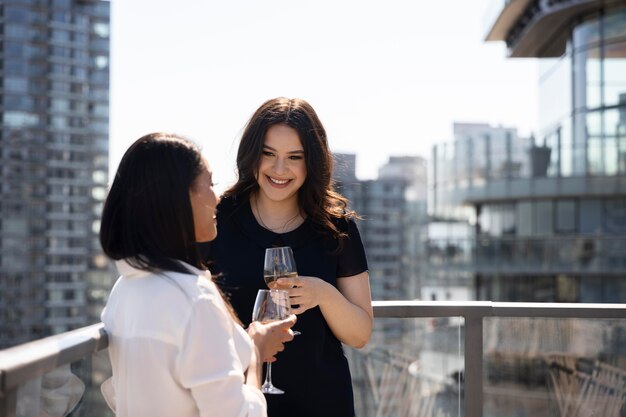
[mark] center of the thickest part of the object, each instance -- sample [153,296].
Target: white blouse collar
[127,270]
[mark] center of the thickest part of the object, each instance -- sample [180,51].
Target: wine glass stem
[268,374]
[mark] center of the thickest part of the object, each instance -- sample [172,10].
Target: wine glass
[279,263]
[270,305]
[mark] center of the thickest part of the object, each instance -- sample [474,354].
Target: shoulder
[345,224]
[196,286]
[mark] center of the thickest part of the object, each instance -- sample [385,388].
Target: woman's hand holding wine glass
[270,337]
[305,292]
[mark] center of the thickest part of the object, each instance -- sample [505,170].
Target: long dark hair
[147,217]
[317,197]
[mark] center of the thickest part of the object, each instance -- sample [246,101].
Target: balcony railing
[577,348]
[577,254]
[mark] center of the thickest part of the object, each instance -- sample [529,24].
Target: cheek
[302,172]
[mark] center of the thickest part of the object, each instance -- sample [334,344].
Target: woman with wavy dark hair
[175,346]
[284,196]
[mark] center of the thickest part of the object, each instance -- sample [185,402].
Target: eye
[268,153]
[295,157]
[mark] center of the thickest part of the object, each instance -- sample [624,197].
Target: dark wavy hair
[147,217]
[317,197]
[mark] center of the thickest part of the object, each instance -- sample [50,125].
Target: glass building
[545,216]
[54,108]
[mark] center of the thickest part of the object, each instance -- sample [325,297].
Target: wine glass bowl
[271,305]
[279,263]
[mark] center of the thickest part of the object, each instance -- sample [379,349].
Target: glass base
[268,388]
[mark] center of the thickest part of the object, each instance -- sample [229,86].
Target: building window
[101,29]
[565,216]
[543,218]
[16,84]
[20,119]
[614,215]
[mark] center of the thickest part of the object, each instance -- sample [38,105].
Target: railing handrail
[20,364]
[409,309]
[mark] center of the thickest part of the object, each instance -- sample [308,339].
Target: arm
[209,366]
[347,309]
[254,372]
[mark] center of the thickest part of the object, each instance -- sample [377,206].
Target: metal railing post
[8,403]
[473,377]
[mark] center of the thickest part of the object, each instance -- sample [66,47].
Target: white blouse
[175,350]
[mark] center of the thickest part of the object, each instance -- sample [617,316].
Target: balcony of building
[448,359]
[567,254]
[535,28]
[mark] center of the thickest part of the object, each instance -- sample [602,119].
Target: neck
[277,216]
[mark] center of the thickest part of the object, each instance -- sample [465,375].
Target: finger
[289,283]
[295,292]
[285,323]
[297,300]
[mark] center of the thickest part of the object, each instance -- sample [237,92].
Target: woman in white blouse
[176,348]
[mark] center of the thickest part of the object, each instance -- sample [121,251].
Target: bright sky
[386,77]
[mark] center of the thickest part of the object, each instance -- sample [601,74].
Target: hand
[269,338]
[306,292]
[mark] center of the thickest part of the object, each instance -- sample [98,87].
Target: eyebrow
[291,152]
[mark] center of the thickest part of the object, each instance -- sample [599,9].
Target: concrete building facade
[54,107]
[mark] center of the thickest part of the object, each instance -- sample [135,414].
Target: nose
[280,166]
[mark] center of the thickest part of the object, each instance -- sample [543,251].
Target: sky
[385,77]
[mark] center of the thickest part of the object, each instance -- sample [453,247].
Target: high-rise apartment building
[54,108]
[548,215]
[393,212]
[393,209]
[479,155]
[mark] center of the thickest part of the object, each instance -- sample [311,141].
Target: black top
[312,370]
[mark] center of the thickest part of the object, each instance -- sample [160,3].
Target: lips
[278,183]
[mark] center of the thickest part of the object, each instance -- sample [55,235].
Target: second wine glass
[270,305]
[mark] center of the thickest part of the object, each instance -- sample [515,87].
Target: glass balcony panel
[615,74]
[411,367]
[555,92]
[72,389]
[567,156]
[595,163]
[615,138]
[544,367]
[587,78]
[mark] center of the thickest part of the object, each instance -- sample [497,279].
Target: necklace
[274,229]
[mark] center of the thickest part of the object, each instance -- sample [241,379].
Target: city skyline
[385,81]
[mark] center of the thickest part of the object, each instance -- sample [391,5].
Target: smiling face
[282,168]
[203,203]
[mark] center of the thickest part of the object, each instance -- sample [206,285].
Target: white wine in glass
[279,263]
[270,305]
